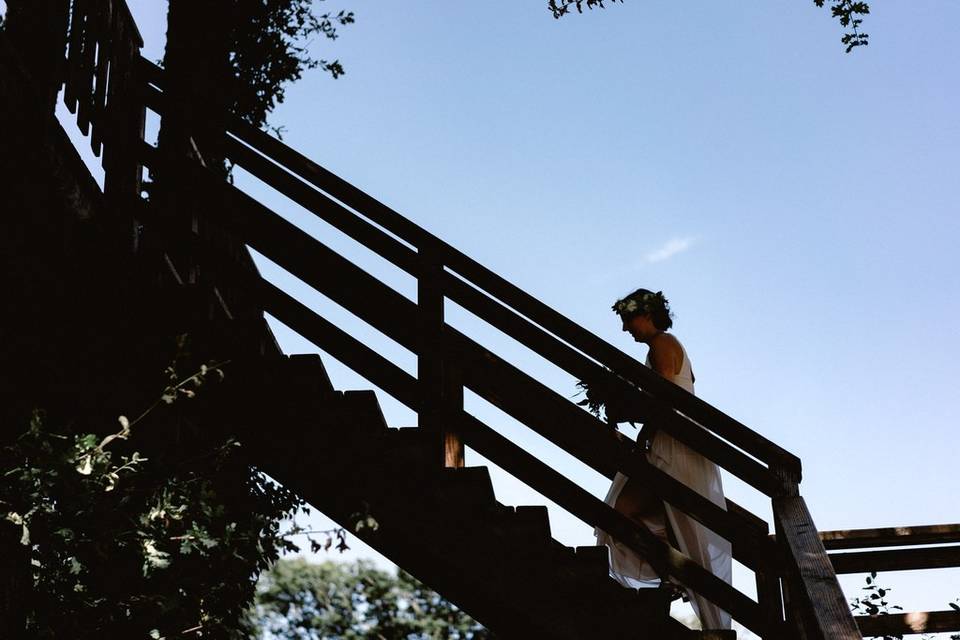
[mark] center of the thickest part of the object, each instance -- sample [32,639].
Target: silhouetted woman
[646,317]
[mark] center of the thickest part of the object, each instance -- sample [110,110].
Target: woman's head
[644,302]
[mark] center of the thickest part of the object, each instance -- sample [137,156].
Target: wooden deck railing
[103,40]
[450,362]
[919,547]
[100,87]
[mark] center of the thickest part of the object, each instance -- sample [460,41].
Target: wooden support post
[815,603]
[123,134]
[439,385]
[197,96]
[453,454]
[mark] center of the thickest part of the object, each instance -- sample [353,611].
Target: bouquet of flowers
[605,396]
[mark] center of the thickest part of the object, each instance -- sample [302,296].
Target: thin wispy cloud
[670,249]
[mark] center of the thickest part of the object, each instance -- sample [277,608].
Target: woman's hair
[643,301]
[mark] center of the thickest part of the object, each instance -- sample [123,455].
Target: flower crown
[647,303]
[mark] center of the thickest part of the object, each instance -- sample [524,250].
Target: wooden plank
[748,517]
[817,601]
[74,53]
[106,33]
[150,71]
[126,117]
[453,447]
[328,210]
[896,559]
[909,623]
[92,26]
[430,354]
[891,536]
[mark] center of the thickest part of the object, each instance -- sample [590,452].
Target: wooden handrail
[280,178]
[525,304]
[891,536]
[472,299]
[896,559]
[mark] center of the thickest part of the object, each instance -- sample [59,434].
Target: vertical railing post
[124,132]
[197,95]
[440,389]
[453,453]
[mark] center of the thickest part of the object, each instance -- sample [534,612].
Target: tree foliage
[300,600]
[848,12]
[271,48]
[149,529]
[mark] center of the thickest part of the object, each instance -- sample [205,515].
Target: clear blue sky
[798,206]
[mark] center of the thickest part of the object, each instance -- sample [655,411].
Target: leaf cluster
[560,8]
[607,397]
[848,12]
[146,531]
[303,600]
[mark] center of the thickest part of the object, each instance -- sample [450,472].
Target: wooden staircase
[436,518]
[443,525]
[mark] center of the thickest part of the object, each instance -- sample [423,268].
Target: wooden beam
[896,559]
[816,599]
[322,206]
[891,536]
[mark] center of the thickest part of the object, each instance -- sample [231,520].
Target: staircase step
[307,369]
[469,487]
[364,410]
[531,523]
[593,562]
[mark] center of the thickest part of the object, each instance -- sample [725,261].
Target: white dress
[707,548]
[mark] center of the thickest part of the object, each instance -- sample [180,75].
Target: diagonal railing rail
[795,565]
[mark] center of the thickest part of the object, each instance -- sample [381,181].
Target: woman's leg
[641,505]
